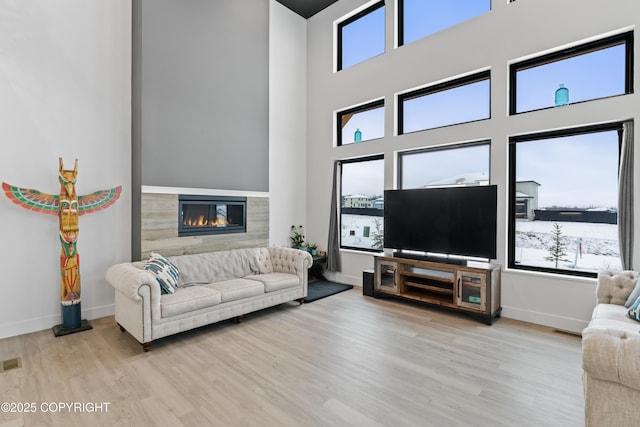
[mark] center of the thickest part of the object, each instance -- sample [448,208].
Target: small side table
[316,271]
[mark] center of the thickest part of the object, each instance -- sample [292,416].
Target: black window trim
[454,146]
[570,52]
[356,160]
[400,21]
[511,220]
[441,87]
[348,21]
[379,103]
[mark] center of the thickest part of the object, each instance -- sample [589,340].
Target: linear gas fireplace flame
[201,215]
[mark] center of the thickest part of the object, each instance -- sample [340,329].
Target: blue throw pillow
[164,271]
[634,311]
[633,296]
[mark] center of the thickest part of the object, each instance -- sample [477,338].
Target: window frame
[342,163]
[379,103]
[351,19]
[400,22]
[440,87]
[625,38]
[511,219]
[470,144]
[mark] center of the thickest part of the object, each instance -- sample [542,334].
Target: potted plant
[297,237]
[312,248]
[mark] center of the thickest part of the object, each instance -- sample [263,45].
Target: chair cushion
[188,299]
[235,289]
[276,281]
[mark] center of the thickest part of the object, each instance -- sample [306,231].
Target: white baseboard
[343,278]
[41,323]
[545,319]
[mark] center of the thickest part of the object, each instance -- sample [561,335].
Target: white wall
[287,122]
[65,73]
[508,32]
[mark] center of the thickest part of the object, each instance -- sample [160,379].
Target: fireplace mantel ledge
[151,189]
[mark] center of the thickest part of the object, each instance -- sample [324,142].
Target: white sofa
[212,286]
[611,355]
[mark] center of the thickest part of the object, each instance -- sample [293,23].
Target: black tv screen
[453,221]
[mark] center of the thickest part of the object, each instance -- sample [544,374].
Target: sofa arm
[128,279]
[612,355]
[289,260]
[615,288]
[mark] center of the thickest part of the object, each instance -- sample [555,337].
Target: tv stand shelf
[473,288]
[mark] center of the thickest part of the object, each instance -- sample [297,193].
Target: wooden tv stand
[473,289]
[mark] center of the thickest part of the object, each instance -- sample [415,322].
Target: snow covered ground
[353,230]
[599,242]
[599,245]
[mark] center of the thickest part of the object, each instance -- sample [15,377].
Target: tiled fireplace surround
[159,222]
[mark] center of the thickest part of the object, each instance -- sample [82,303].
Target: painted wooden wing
[32,200]
[99,200]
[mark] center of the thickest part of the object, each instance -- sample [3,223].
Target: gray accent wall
[201,94]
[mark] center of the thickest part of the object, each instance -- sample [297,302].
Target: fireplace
[202,215]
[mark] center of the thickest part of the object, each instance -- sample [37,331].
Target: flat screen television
[453,221]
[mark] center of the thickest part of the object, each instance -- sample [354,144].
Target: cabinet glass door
[471,290]
[386,276]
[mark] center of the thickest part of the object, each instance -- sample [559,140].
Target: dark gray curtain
[333,246]
[625,197]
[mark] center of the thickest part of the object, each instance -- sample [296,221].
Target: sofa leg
[300,300]
[238,319]
[146,346]
[120,326]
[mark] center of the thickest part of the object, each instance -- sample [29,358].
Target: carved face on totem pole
[68,206]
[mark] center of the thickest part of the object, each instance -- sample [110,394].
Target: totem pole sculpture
[68,207]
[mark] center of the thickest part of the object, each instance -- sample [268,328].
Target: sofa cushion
[164,272]
[613,316]
[188,299]
[276,281]
[235,289]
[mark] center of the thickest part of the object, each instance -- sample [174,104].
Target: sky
[590,76]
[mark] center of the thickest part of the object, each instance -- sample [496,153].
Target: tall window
[420,18]
[595,70]
[457,101]
[563,200]
[361,207]
[457,165]
[361,36]
[361,123]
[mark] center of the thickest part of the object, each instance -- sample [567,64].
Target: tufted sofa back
[210,267]
[615,288]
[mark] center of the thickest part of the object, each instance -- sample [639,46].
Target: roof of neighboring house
[473,178]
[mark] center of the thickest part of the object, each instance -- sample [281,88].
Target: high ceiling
[306,8]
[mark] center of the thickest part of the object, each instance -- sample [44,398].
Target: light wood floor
[346,360]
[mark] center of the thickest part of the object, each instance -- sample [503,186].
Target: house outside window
[457,165]
[361,207]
